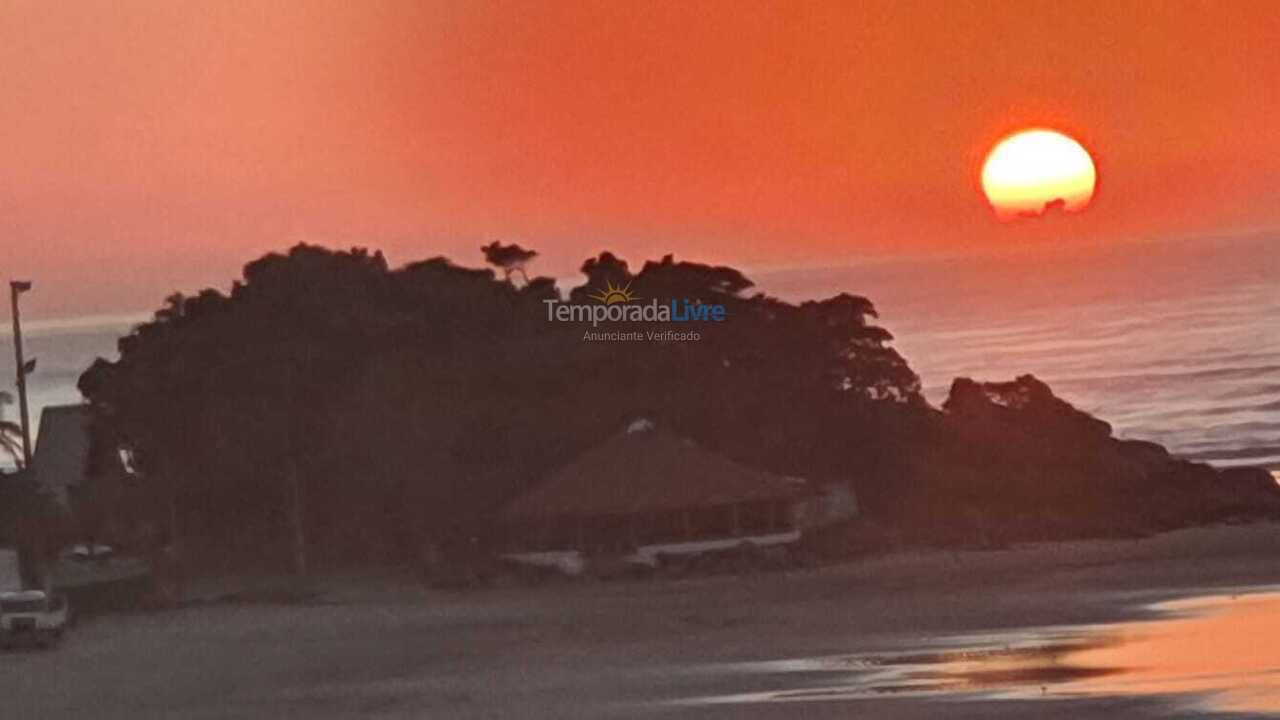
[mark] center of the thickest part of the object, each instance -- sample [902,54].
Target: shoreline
[378,644]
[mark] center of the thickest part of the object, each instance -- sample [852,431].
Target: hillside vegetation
[334,404]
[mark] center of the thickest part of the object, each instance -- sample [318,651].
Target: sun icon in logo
[614,294]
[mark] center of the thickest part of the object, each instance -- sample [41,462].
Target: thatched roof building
[647,492]
[647,470]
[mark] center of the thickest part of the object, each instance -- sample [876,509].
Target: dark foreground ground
[382,647]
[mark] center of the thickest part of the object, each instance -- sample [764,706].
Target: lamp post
[16,288]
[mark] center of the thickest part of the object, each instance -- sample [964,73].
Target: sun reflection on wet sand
[1223,646]
[1219,650]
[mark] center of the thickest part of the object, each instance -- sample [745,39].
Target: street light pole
[16,288]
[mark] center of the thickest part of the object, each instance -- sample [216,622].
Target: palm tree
[10,433]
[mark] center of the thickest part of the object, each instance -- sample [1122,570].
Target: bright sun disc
[1030,170]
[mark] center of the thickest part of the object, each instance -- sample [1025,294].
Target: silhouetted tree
[330,407]
[373,408]
[508,258]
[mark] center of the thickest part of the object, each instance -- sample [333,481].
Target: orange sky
[153,146]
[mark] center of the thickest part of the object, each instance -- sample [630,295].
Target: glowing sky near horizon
[152,146]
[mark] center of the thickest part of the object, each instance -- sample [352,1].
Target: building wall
[830,504]
[619,533]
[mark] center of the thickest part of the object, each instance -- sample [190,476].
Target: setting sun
[1028,171]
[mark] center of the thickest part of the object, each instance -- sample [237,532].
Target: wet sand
[378,646]
[1214,652]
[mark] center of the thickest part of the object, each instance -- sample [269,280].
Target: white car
[32,616]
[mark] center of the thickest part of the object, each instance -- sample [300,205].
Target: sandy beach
[378,645]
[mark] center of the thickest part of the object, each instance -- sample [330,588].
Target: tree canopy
[378,408]
[411,401]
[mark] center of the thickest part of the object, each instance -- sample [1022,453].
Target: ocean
[1176,341]
[63,349]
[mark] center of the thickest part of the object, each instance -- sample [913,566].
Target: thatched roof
[647,470]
